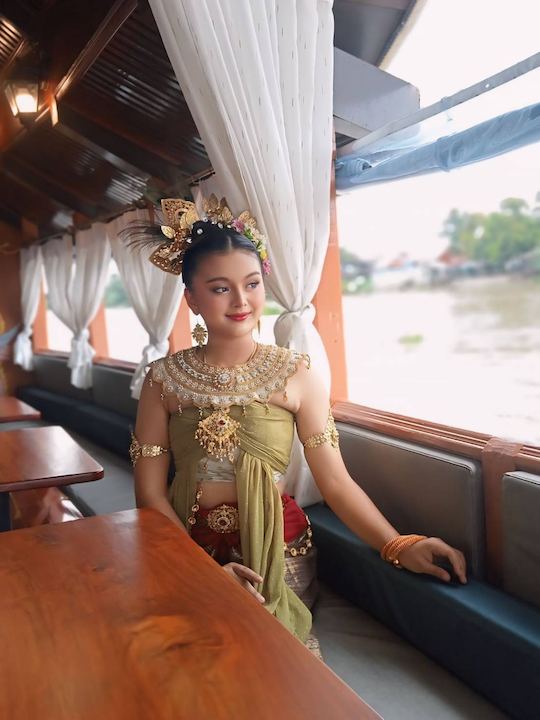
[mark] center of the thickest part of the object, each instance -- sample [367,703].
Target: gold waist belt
[223,519]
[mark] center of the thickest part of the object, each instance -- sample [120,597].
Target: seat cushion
[395,678]
[420,490]
[521,535]
[486,637]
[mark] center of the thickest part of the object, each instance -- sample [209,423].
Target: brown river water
[467,354]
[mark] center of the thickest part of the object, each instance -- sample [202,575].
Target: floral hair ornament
[181,215]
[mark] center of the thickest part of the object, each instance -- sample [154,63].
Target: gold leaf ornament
[168,232]
[249,221]
[217,211]
[179,216]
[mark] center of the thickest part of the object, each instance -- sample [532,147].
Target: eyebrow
[227,279]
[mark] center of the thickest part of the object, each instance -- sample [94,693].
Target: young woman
[227,409]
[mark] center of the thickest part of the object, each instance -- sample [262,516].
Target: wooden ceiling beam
[21,48]
[107,29]
[112,119]
[15,12]
[36,180]
[111,146]
[71,36]
[35,203]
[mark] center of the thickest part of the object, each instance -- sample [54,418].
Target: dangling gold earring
[259,329]
[199,334]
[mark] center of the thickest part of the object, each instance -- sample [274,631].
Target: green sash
[266,437]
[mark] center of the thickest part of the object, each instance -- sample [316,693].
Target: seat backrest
[521,535]
[110,387]
[420,490]
[52,373]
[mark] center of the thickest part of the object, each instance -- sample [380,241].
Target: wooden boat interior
[121,135]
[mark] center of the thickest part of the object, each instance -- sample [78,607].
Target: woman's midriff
[215,493]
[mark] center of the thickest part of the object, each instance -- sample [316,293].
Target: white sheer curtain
[257,77]
[154,295]
[31,275]
[76,278]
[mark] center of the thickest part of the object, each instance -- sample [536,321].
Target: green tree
[514,206]
[496,237]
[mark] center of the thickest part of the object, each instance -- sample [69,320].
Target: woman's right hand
[246,577]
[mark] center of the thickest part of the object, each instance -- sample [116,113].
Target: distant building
[526,264]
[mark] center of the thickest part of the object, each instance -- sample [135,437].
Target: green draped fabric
[266,436]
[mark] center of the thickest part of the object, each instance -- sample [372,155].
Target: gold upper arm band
[330,435]
[136,450]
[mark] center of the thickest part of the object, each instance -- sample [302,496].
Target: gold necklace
[233,367]
[186,375]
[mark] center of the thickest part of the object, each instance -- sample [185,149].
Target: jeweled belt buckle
[223,519]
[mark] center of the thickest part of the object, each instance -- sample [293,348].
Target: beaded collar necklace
[189,378]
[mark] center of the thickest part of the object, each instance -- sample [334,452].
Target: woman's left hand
[421,558]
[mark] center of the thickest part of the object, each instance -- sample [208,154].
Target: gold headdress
[181,215]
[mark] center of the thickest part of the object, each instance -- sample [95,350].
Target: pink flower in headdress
[266,267]
[238,225]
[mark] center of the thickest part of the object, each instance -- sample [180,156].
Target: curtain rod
[510,73]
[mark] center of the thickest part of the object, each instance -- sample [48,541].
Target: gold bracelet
[137,451]
[391,551]
[330,435]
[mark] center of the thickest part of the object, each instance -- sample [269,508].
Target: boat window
[125,335]
[441,279]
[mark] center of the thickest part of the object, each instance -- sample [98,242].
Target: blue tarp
[488,139]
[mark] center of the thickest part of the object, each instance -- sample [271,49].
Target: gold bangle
[137,451]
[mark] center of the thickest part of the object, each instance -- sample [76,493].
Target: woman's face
[228,291]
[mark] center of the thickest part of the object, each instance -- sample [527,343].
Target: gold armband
[330,435]
[136,450]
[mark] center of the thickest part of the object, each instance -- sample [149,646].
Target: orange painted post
[98,333]
[180,337]
[329,308]
[40,338]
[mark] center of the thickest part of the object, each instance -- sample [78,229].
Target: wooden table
[124,617]
[12,409]
[40,457]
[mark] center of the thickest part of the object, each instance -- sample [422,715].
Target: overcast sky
[454,43]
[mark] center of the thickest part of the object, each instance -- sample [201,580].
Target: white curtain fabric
[258,76]
[31,270]
[76,278]
[154,295]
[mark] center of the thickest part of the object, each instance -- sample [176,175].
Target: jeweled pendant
[217,434]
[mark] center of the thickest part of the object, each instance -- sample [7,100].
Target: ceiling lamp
[24,90]
[23,97]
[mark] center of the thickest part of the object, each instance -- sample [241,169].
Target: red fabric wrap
[294,518]
[221,545]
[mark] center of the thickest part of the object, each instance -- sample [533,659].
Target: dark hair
[207,238]
[212,239]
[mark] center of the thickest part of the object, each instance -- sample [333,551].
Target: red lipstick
[239,317]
